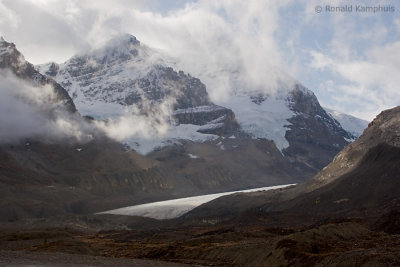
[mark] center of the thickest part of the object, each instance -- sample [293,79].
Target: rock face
[110,81]
[293,118]
[40,179]
[11,59]
[314,136]
[213,119]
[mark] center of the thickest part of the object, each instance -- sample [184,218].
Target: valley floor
[22,258]
[332,243]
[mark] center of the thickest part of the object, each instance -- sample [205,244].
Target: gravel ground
[22,258]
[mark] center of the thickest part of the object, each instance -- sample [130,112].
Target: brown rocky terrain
[41,180]
[260,242]
[352,220]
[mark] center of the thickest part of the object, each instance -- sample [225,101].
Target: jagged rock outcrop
[213,119]
[314,136]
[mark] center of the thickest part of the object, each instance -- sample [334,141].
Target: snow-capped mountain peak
[125,78]
[121,48]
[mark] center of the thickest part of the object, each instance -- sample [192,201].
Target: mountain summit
[124,76]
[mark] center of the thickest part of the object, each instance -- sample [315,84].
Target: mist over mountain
[143,98]
[34,106]
[134,89]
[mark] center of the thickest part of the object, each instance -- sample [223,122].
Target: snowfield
[174,136]
[268,119]
[175,208]
[350,123]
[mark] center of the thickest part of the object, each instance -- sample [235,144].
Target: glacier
[174,208]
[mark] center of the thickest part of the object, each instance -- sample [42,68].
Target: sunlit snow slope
[350,123]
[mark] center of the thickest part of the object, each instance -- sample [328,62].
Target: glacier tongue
[169,209]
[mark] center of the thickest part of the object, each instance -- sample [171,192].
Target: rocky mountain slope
[384,129]
[314,137]
[361,181]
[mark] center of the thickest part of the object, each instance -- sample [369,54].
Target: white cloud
[361,59]
[371,83]
[34,112]
[28,111]
[135,124]
[8,17]
[211,39]
[228,44]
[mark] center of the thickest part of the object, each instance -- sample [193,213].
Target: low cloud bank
[28,111]
[34,112]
